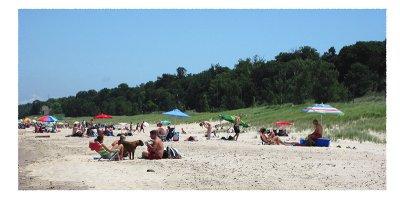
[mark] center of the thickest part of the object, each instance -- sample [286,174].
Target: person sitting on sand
[316,134]
[109,131]
[160,130]
[271,139]
[76,132]
[105,149]
[183,131]
[116,142]
[155,148]
[208,126]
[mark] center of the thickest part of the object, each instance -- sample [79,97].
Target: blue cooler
[322,142]
[303,141]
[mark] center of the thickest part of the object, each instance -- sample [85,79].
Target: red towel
[94,146]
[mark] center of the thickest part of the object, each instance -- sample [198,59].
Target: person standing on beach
[236,126]
[208,126]
[137,126]
[142,127]
[316,134]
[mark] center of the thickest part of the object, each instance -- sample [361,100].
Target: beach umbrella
[231,119]
[47,119]
[176,113]
[322,109]
[27,120]
[165,122]
[281,124]
[101,116]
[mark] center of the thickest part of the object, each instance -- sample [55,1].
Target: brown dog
[130,147]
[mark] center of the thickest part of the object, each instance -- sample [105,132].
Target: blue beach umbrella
[322,109]
[176,113]
[165,122]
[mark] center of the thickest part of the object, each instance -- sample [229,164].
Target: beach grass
[364,118]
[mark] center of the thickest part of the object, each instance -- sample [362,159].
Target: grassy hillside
[364,119]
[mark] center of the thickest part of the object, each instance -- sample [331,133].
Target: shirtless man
[208,126]
[161,130]
[155,150]
[316,134]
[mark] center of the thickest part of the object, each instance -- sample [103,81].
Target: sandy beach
[64,163]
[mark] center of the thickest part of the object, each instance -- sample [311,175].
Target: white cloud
[31,99]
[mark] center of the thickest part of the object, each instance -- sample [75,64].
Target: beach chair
[264,142]
[97,147]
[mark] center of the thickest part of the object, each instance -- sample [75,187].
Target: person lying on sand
[271,139]
[119,147]
[191,139]
[315,135]
[155,148]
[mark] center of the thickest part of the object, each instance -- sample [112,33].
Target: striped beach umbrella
[47,119]
[322,109]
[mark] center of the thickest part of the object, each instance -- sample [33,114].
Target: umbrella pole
[321,119]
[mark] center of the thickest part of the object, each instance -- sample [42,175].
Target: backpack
[173,153]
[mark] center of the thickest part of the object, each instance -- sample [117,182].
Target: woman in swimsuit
[107,152]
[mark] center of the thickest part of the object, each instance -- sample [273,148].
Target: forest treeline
[292,77]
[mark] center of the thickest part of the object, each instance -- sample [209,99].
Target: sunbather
[191,138]
[271,139]
[107,152]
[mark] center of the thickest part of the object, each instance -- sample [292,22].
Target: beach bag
[173,153]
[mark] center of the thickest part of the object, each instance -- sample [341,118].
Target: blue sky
[62,52]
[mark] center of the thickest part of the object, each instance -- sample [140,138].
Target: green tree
[181,72]
[359,80]
[36,107]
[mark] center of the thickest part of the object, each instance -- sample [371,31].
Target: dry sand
[59,162]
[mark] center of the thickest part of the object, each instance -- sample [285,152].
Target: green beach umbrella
[231,119]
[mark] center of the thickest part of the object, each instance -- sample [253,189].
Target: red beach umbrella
[101,116]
